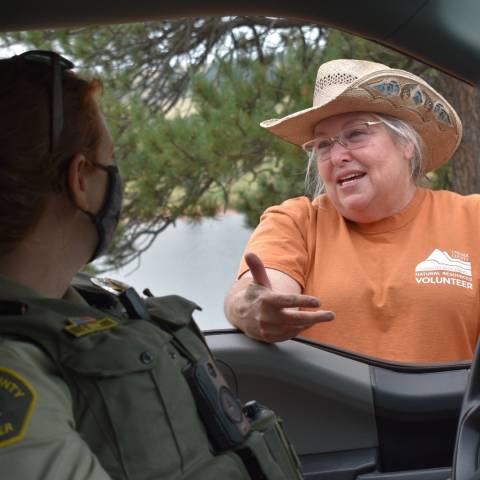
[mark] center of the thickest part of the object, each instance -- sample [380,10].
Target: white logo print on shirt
[448,269]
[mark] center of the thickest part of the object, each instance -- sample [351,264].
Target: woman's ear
[408,150]
[78,182]
[408,153]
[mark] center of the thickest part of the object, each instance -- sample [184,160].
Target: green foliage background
[185,117]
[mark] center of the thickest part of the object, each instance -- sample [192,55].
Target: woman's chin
[355,202]
[356,208]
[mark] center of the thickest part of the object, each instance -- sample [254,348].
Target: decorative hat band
[422,102]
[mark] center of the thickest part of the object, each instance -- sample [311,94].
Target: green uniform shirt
[38,439]
[128,398]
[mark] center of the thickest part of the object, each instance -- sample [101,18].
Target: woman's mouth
[350,179]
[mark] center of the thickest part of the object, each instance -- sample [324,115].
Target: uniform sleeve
[281,239]
[38,439]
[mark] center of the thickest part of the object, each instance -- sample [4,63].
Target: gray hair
[402,134]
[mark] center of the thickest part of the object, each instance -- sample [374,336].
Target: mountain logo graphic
[439,261]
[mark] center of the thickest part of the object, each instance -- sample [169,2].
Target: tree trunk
[464,165]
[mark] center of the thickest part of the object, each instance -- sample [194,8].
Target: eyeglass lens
[351,138]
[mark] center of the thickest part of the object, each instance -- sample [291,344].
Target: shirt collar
[12,289]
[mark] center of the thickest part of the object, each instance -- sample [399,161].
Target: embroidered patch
[17,401]
[81,326]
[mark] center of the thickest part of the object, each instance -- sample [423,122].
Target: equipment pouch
[270,426]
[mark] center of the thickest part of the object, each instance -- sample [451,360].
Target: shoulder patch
[17,400]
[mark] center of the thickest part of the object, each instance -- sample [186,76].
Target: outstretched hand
[274,316]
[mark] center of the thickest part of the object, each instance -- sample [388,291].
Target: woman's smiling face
[371,182]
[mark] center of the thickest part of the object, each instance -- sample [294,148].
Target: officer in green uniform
[97,382]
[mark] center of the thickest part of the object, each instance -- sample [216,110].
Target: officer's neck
[50,255]
[44,275]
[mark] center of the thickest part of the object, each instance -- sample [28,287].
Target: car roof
[441,33]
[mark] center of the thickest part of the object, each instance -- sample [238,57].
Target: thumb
[257,270]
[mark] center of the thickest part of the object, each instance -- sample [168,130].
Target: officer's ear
[77,180]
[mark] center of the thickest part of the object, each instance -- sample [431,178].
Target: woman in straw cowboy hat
[392,263]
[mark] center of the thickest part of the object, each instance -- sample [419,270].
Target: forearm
[235,302]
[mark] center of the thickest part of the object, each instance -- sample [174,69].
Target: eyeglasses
[355,136]
[57,65]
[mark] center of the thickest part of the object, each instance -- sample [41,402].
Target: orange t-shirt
[403,289]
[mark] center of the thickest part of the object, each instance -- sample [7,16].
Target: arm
[265,303]
[50,447]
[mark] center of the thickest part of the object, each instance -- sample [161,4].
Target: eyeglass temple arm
[56,115]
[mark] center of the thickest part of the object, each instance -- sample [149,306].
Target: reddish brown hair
[28,172]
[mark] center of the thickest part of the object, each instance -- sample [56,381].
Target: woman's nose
[339,154]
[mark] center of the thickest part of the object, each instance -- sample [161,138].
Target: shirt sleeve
[281,239]
[38,439]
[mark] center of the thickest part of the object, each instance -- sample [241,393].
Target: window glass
[185,115]
[196,260]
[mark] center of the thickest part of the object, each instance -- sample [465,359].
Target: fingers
[291,325]
[275,332]
[288,323]
[297,319]
[283,308]
[257,270]
[301,319]
[291,300]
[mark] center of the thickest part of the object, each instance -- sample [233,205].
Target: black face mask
[106,220]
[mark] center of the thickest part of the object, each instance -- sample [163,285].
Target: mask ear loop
[107,219]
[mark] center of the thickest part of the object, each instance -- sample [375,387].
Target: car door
[350,417]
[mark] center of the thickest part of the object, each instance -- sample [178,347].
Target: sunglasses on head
[56,65]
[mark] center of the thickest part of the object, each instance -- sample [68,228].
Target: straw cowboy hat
[360,86]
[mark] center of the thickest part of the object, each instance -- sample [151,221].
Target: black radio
[219,409]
